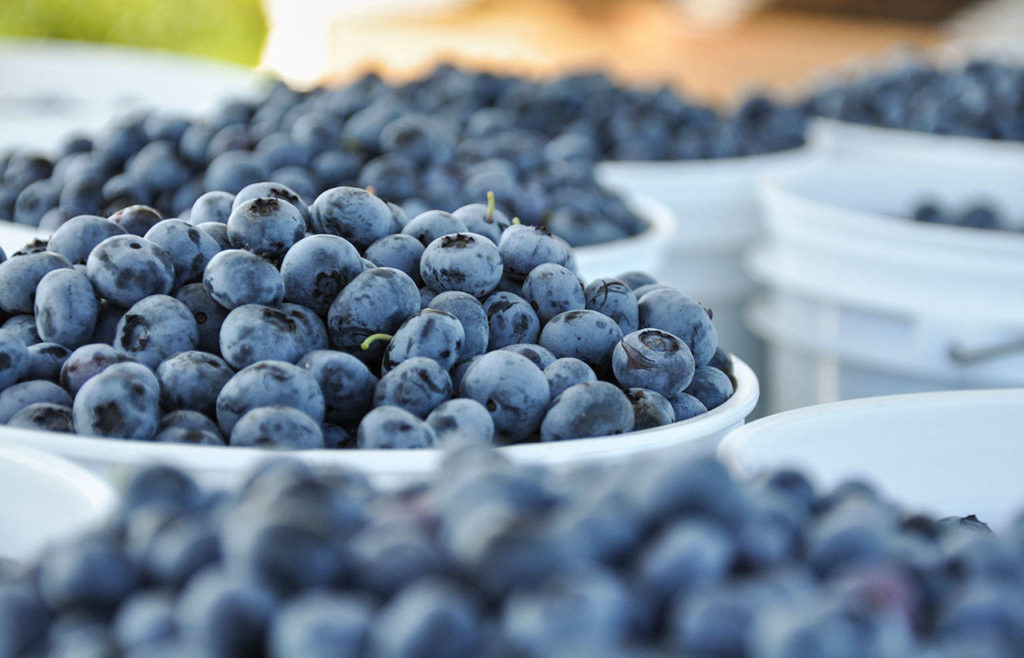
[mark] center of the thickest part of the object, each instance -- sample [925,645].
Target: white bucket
[228,466]
[44,498]
[641,251]
[15,236]
[51,88]
[846,138]
[860,303]
[942,454]
[716,218]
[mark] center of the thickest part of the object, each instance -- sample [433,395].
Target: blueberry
[510,320]
[66,308]
[235,277]
[346,382]
[154,329]
[15,398]
[586,335]
[417,384]
[45,361]
[274,190]
[387,427]
[429,618]
[461,421]
[523,248]
[23,622]
[650,408]
[180,548]
[429,333]
[211,207]
[34,201]
[615,299]
[44,416]
[352,213]
[191,380]
[512,389]
[226,612]
[552,289]
[433,224]
[722,361]
[265,226]
[187,419]
[188,436]
[399,251]
[208,314]
[144,618]
[189,248]
[254,332]
[540,356]
[123,401]
[85,363]
[22,327]
[655,360]
[387,556]
[565,372]
[125,268]
[312,332]
[470,312]
[684,557]
[391,175]
[587,410]
[465,262]
[321,625]
[674,312]
[276,427]
[483,219]
[711,386]
[19,276]
[267,383]
[376,301]
[14,359]
[232,171]
[91,575]
[685,406]
[419,138]
[136,220]
[316,268]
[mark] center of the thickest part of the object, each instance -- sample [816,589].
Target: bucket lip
[838,134]
[229,461]
[730,448]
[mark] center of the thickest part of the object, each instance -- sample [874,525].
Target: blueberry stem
[374,338]
[490,207]
[516,220]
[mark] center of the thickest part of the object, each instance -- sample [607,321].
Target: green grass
[231,30]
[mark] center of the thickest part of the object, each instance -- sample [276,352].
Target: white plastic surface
[643,251]
[50,88]
[15,236]
[845,138]
[44,498]
[863,300]
[227,466]
[939,453]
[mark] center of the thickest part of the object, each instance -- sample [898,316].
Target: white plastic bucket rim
[835,136]
[44,498]
[946,453]
[641,251]
[227,466]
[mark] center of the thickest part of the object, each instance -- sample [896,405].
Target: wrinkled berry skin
[417,385]
[265,226]
[352,213]
[66,308]
[155,328]
[376,301]
[587,410]
[650,408]
[276,427]
[672,311]
[316,268]
[21,275]
[431,333]
[394,428]
[192,380]
[268,383]
[235,277]
[653,359]
[347,384]
[254,332]
[126,268]
[464,262]
[122,402]
[512,389]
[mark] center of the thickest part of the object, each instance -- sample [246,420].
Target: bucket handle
[967,356]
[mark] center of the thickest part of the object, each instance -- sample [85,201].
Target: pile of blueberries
[662,558]
[345,323]
[439,142]
[979,215]
[983,99]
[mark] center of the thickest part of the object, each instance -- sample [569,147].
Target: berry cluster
[979,215]
[345,323]
[981,99]
[439,142]
[494,559]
